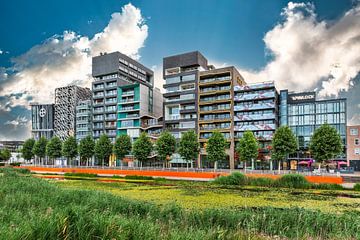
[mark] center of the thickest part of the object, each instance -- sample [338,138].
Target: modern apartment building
[215,109]
[42,120]
[256,110]
[123,91]
[66,100]
[181,73]
[353,147]
[303,114]
[83,119]
[201,98]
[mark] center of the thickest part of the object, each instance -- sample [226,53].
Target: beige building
[353,146]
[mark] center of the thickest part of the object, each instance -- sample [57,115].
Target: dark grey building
[123,91]
[66,100]
[180,108]
[42,120]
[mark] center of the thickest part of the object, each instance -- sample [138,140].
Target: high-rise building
[83,119]
[201,98]
[123,92]
[66,100]
[42,120]
[353,147]
[215,109]
[256,110]
[303,114]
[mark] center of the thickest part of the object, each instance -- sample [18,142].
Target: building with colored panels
[256,110]
[83,119]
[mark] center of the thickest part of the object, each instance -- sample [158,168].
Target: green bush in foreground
[139,177]
[357,187]
[292,181]
[285,181]
[36,209]
[89,175]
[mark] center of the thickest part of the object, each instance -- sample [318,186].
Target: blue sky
[231,31]
[301,45]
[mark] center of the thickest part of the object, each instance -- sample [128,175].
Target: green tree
[54,148]
[27,149]
[122,146]
[142,147]
[103,148]
[189,146]
[215,148]
[165,146]
[247,147]
[283,143]
[5,154]
[69,149]
[325,144]
[86,149]
[39,149]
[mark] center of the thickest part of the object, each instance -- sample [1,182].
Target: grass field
[203,195]
[33,208]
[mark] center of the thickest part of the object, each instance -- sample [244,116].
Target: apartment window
[188,78]
[356,141]
[187,87]
[187,125]
[172,80]
[127,123]
[354,131]
[357,151]
[172,89]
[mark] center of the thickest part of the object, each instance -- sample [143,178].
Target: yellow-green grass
[203,196]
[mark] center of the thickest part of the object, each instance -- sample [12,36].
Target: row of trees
[325,144]
[5,154]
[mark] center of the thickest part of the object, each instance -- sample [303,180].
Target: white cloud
[308,54]
[1,52]
[19,121]
[65,59]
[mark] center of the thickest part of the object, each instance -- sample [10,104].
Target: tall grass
[36,209]
[286,181]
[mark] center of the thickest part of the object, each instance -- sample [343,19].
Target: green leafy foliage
[86,148]
[27,149]
[235,178]
[122,146]
[247,147]
[39,149]
[142,147]
[283,143]
[293,181]
[69,148]
[215,147]
[139,177]
[357,187]
[165,146]
[54,148]
[90,175]
[325,143]
[103,148]
[5,154]
[189,146]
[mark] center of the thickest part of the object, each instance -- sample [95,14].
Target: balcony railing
[253,117]
[254,127]
[254,106]
[129,93]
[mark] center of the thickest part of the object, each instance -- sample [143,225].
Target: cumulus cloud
[19,121]
[65,59]
[308,54]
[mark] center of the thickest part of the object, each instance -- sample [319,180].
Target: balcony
[173,117]
[252,96]
[126,109]
[254,117]
[254,106]
[128,93]
[255,127]
[149,124]
[214,80]
[127,100]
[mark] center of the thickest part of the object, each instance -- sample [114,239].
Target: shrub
[327,186]
[357,187]
[90,175]
[2,164]
[15,164]
[261,181]
[138,177]
[235,178]
[293,181]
